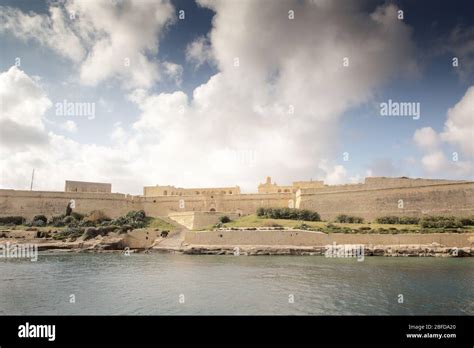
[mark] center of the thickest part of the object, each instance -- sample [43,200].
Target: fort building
[375,197]
[83,186]
[269,187]
[153,191]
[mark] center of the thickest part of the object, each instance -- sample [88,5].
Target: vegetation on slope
[254,221]
[93,224]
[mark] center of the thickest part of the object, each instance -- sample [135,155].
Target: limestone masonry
[81,186]
[377,196]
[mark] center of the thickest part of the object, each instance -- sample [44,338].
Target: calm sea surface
[156,283]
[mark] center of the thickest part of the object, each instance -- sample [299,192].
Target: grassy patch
[159,224]
[333,227]
[255,221]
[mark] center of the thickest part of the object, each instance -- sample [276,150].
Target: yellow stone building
[269,187]
[154,191]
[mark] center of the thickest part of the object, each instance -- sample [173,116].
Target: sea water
[174,284]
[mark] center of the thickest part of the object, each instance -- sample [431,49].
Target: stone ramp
[194,220]
[174,240]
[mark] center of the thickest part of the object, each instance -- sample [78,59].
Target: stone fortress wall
[151,191]
[82,186]
[446,199]
[310,238]
[269,187]
[31,203]
[376,197]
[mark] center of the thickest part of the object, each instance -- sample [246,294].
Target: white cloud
[199,51]
[107,39]
[52,30]
[459,126]
[282,104]
[118,133]
[23,104]
[284,66]
[459,132]
[434,162]
[333,175]
[426,138]
[26,144]
[383,167]
[174,72]
[460,43]
[69,126]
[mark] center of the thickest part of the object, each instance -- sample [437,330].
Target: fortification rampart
[239,204]
[379,184]
[307,238]
[377,197]
[440,199]
[31,203]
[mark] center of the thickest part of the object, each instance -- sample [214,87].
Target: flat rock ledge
[383,250]
[116,244]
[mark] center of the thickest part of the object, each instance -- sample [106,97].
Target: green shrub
[409,220]
[57,220]
[138,215]
[440,222]
[467,221]
[77,216]
[343,218]
[92,232]
[224,219]
[40,218]
[302,226]
[388,220]
[401,220]
[288,213]
[85,223]
[133,219]
[38,223]
[68,220]
[13,220]
[69,232]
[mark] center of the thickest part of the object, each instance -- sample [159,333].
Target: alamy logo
[37,331]
[67,108]
[345,250]
[392,108]
[19,251]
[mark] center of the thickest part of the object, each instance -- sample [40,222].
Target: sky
[222,93]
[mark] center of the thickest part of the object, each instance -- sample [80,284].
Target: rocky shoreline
[380,250]
[151,241]
[114,244]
